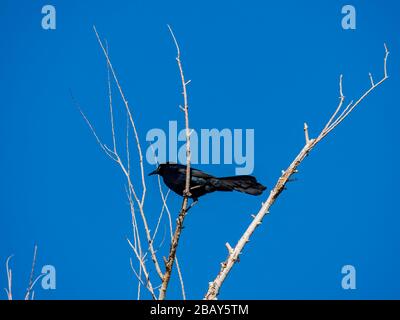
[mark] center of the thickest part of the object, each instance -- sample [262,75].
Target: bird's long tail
[246,184]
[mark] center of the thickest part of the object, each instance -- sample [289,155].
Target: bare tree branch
[139,149]
[186,194]
[178,268]
[9,279]
[160,216]
[138,277]
[125,168]
[334,121]
[165,206]
[133,195]
[140,258]
[31,281]
[29,295]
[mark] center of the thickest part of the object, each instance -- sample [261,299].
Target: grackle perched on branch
[201,183]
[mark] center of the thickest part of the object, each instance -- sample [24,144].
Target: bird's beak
[153,173]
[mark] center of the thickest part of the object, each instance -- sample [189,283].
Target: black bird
[201,183]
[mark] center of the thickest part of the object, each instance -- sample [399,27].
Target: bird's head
[160,169]
[157,171]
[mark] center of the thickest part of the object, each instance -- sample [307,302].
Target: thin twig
[144,268]
[136,236]
[111,105]
[116,157]
[138,276]
[139,148]
[178,268]
[104,147]
[9,278]
[306,135]
[371,79]
[31,281]
[341,100]
[351,106]
[34,283]
[160,216]
[140,153]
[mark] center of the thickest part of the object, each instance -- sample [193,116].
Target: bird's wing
[200,174]
[194,172]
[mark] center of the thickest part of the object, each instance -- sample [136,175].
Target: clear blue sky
[255,64]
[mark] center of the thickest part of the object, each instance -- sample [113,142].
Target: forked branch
[135,199]
[337,117]
[29,295]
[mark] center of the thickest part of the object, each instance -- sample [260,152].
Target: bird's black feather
[201,183]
